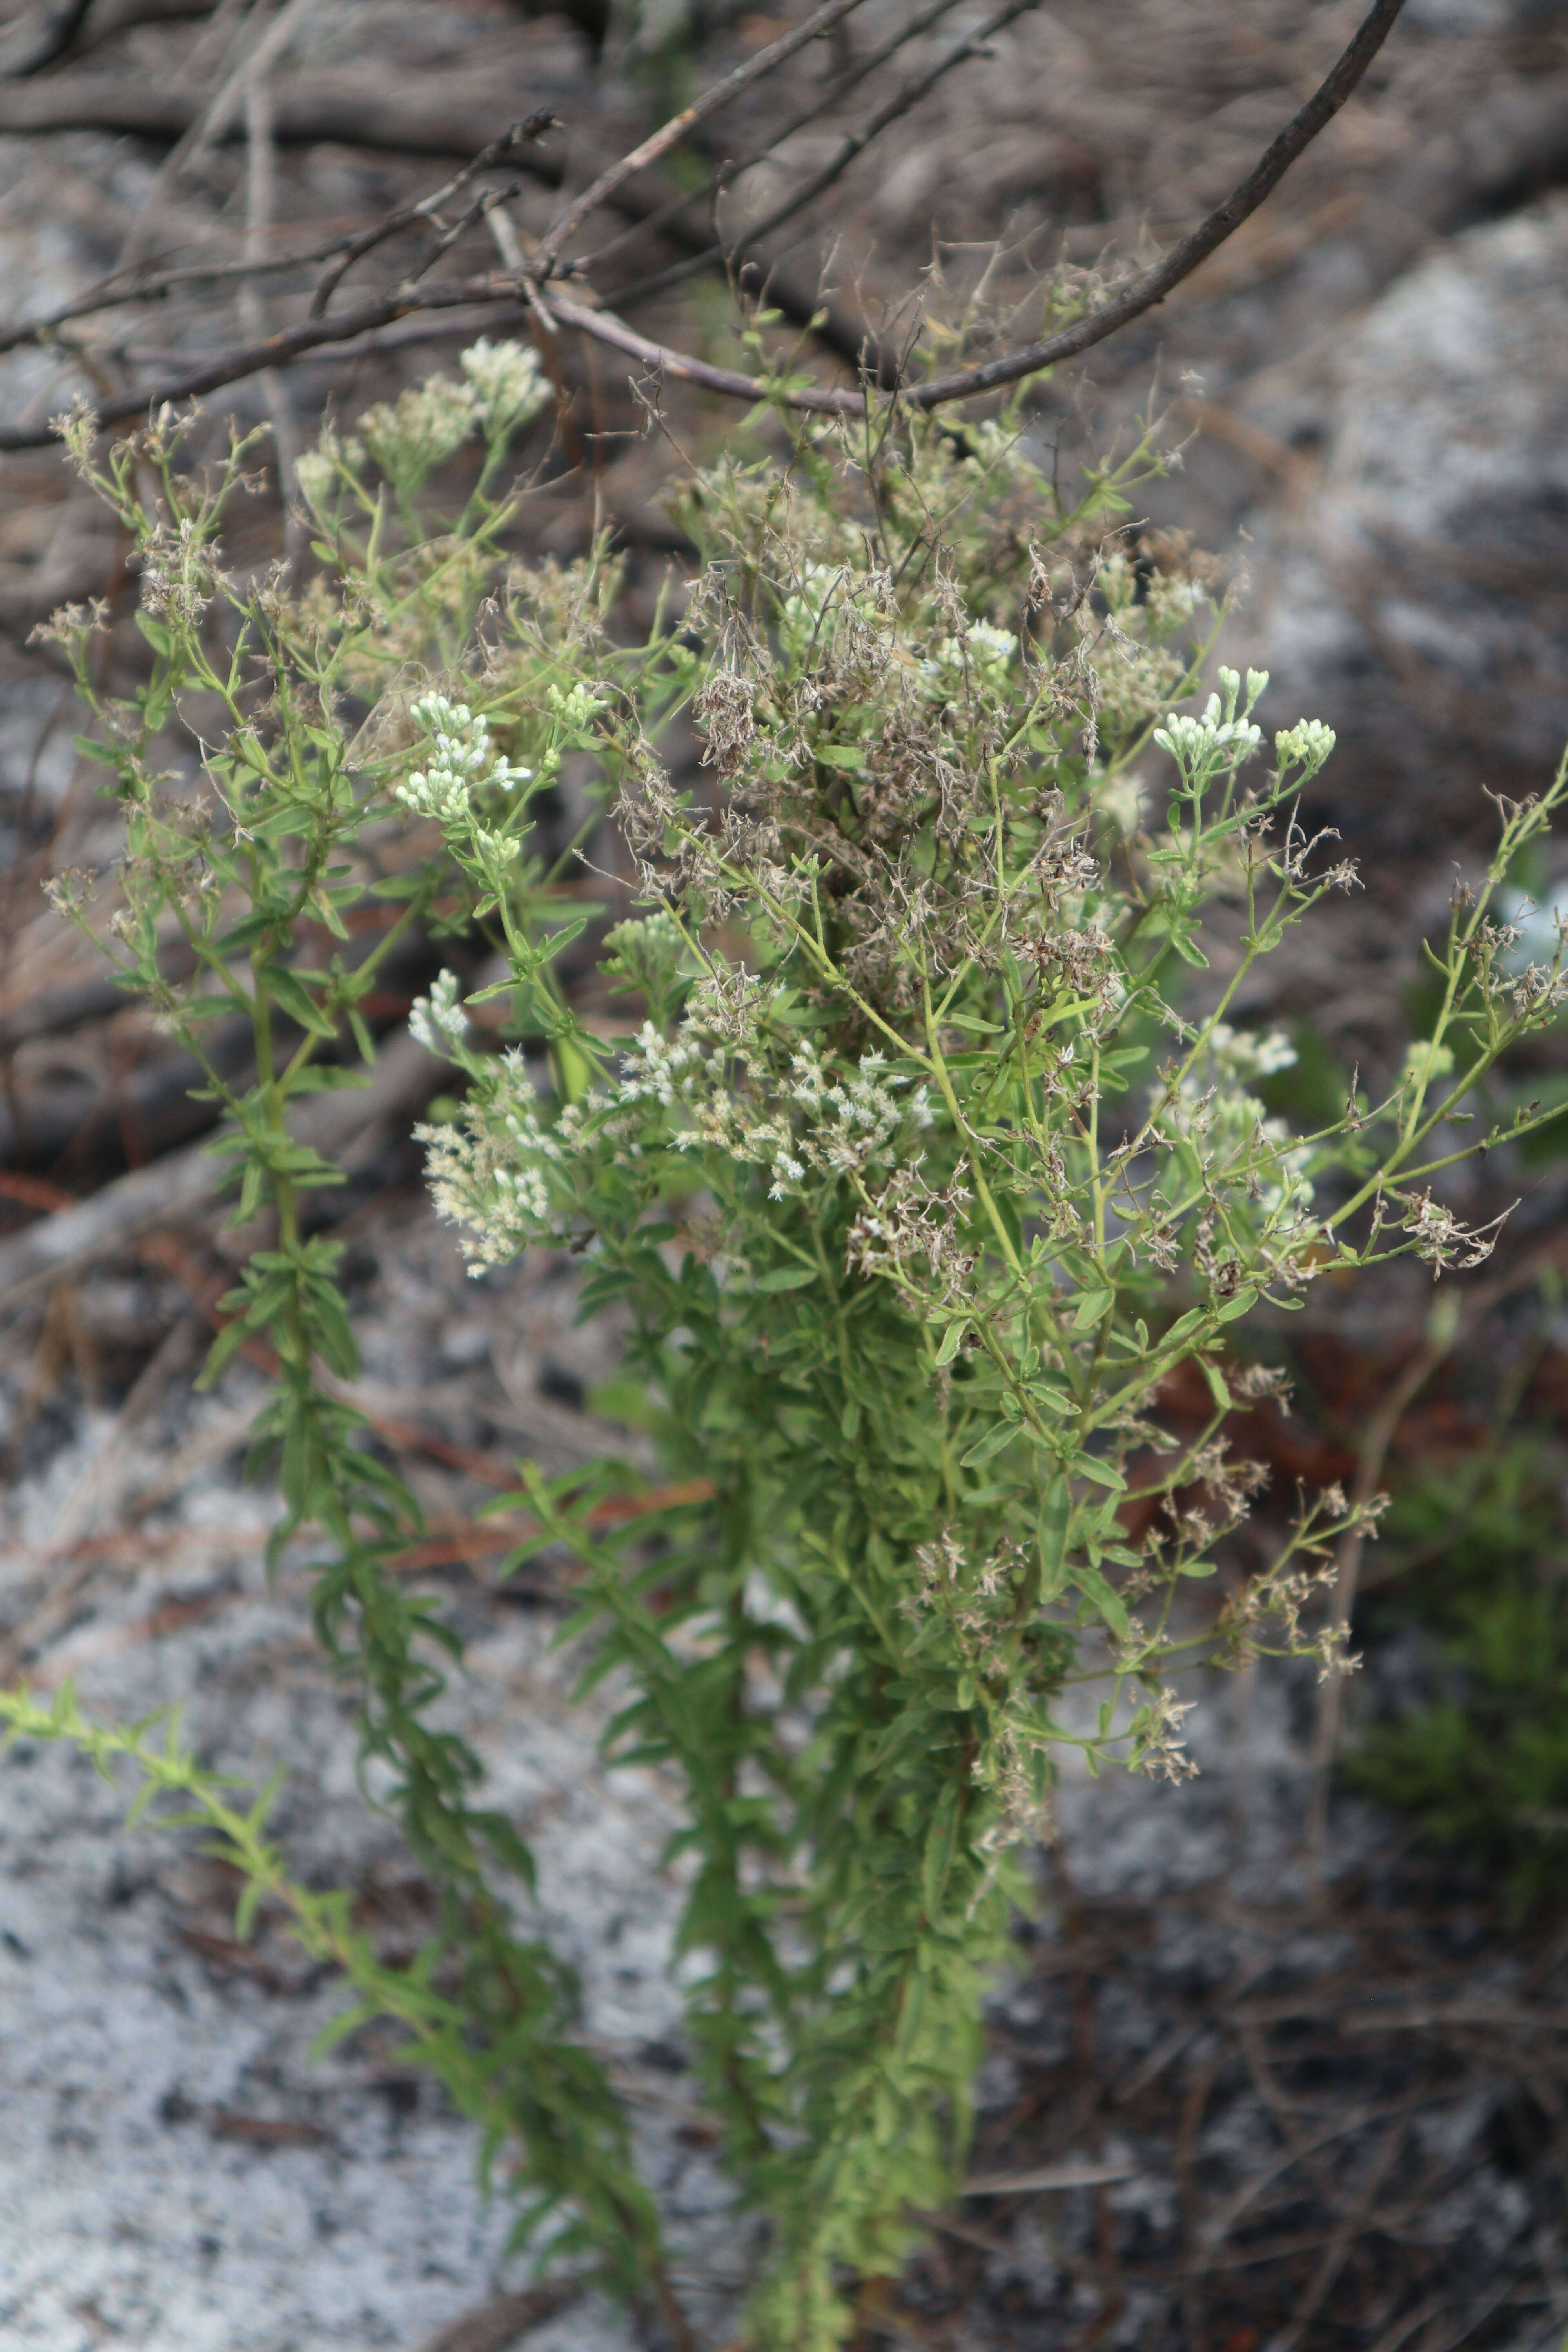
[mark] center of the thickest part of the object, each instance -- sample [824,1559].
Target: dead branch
[1144,294]
[336,109]
[496,2326]
[718,96]
[43,35]
[173,1190]
[912,29]
[1146,291]
[323,109]
[500,150]
[1152,287]
[855,143]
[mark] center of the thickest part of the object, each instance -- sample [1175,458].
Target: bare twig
[1145,292]
[171,1189]
[328,108]
[41,36]
[855,143]
[221,112]
[500,150]
[259,191]
[1152,287]
[718,96]
[1046,2177]
[686,199]
[278,350]
[142,285]
[496,2326]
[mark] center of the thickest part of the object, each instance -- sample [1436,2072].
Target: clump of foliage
[1482,1761]
[932,1149]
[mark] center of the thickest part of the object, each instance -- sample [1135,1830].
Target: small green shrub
[1482,1766]
[935,1153]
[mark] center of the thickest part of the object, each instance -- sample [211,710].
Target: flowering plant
[924,1169]
[930,1150]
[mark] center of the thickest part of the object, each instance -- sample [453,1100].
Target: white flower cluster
[507,387]
[1220,738]
[492,1176]
[993,447]
[1248,1053]
[316,470]
[178,576]
[461,758]
[1306,745]
[1170,598]
[853,1121]
[1120,800]
[1213,1111]
[816,1123]
[806,612]
[575,705]
[438,1021]
[410,436]
[314,473]
[661,1069]
[507,1179]
[1426,1061]
[983,655]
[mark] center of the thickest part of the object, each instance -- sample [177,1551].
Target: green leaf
[104,753]
[246,1909]
[348,2020]
[1091,1307]
[1056,1512]
[786,1277]
[840,755]
[941,1842]
[911,2013]
[226,1344]
[326,1077]
[332,1334]
[992,1443]
[952,1340]
[291,997]
[1242,1304]
[1105,1598]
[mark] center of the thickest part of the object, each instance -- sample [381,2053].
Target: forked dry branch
[538,282]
